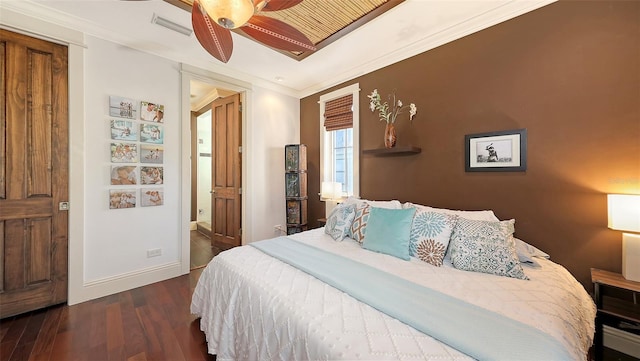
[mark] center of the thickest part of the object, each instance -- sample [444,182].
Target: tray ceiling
[322,21]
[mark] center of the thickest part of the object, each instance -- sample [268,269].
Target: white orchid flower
[412,110]
[389,114]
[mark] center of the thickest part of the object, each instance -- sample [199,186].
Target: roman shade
[338,113]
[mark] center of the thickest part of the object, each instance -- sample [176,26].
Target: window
[339,145]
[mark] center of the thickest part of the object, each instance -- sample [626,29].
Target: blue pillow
[388,231]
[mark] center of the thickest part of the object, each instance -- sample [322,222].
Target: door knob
[212,191]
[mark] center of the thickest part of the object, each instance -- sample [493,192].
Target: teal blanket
[477,332]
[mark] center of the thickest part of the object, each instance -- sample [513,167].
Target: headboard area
[568,73]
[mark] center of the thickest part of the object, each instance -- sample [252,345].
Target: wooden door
[226,168]
[33,173]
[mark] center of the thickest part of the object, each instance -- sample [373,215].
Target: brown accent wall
[569,73]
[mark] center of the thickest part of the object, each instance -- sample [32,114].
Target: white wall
[117,240]
[276,123]
[204,168]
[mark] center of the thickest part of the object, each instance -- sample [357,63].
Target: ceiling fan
[213,19]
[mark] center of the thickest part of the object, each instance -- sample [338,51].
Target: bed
[314,296]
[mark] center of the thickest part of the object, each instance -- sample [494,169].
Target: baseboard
[622,341]
[126,281]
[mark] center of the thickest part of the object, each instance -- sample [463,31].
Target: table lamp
[331,193]
[624,215]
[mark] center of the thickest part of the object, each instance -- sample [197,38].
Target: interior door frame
[195,114]
[188,74]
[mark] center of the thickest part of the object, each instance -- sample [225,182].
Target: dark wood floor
[147,323]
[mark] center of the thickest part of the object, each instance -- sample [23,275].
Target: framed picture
[295,156]
[122,107]
[150,197]
[151,133]
[151,153]
[296,211]
[504,151]
[123,130]
[123,174]
[151,175]
[124,152]
[296,184]
[152,112]
[122,198]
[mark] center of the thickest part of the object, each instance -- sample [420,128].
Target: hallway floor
[201,250]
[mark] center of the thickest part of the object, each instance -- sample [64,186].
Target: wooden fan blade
[275,5]
[215,39]
[277,34]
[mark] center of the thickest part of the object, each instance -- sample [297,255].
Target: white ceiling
[406,30]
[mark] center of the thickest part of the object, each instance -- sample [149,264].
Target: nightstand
[615,298]
[322,222]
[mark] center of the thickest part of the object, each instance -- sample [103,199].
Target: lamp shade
[330,190]
[229,14]
[624,212]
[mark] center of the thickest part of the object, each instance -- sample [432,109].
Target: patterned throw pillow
[360,220]
[339,221]
[484,246]
[430,234]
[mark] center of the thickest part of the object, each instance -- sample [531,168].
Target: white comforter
[255,307]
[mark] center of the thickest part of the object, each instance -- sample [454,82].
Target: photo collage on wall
[137,153]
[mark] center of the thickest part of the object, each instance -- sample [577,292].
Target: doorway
[207,135]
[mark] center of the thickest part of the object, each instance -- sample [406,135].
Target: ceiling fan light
[260,4]
[229,14]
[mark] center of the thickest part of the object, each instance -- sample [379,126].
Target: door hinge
[239,190]
[240,107]
[240,149]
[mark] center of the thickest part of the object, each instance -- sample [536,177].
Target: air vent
[171,25]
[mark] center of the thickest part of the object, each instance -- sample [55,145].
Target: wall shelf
[395,151]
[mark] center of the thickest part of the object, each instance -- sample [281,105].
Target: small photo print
[151,197]
[123,174]
[497,151]
[151,133]
[122,198]
[151,175]
[122,107]
[152,112]
[124,130]
[151,153]
[124,152]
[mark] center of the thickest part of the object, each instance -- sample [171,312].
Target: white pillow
[526,252]
[486,215]
[394,204]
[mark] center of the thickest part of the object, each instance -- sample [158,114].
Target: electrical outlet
[155,252]
[278,228]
